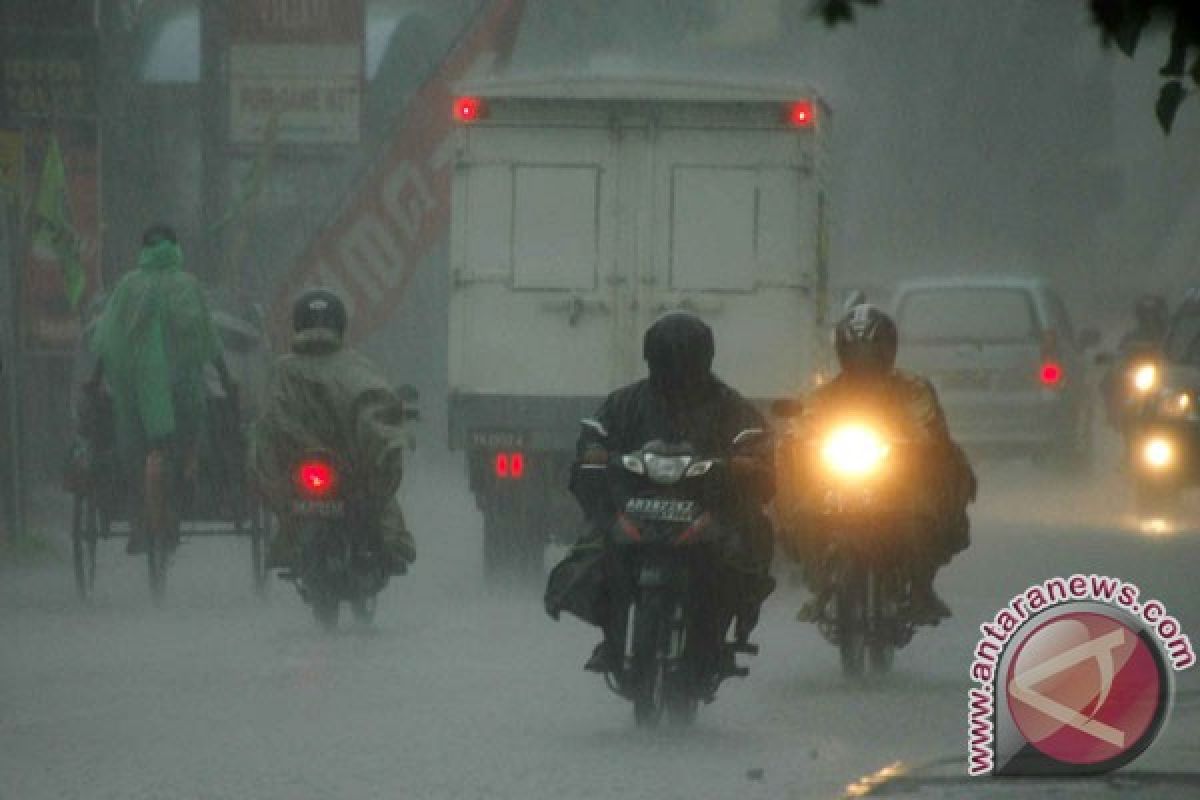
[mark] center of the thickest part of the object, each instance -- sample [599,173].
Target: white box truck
[581,211]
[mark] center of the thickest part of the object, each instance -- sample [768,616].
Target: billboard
[302,61]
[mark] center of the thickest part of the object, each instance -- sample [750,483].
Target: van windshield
[994,316]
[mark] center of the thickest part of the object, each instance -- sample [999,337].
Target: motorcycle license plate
[660,509]
[837,500]
[319,508]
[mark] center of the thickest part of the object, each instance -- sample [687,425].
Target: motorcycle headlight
[699,468]
[1144,377]
[854,451]
[666,469]
[1175,404]
[1158,452]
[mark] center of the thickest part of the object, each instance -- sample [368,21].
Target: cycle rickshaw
[214,498]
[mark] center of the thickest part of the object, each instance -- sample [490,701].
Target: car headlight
[854,451]
[1158,452]
[1144,377]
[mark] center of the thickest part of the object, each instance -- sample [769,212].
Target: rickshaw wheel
[83,546]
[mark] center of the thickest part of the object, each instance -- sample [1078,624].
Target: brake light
[468,109]
[316,478]
[802,114]
[509,465]
[1051,374]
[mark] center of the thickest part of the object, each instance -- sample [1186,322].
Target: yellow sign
[12,147]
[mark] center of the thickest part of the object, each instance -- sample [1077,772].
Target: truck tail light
[509,466]
[469,109]
[802,114]
[1051,374]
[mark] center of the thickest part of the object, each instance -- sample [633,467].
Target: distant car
[1166,445]
[1008,366]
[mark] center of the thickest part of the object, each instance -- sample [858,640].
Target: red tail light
[1051,374]
[802,114]
[509,465]
[468,109]
[316,478]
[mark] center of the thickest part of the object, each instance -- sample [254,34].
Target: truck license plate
[498,439]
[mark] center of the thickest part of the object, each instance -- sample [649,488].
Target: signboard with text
[302,61]
[48,73]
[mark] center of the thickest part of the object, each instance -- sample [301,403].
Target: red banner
[370,250]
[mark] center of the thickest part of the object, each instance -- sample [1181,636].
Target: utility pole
[214,153]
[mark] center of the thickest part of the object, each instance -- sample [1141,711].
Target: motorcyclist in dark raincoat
[1143,342]
[681,400]
[325,396]
[866,341]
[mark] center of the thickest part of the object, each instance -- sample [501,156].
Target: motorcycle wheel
[881,652]
[650,626]
[325,612]
[363,609]
[851,619]
[682,705]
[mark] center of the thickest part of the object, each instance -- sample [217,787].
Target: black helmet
[866,340]
[1150,310]
[319,308]
[159,232]
[678,349]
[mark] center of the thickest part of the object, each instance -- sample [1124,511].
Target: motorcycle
[340,561]
[855,481]
[667,538]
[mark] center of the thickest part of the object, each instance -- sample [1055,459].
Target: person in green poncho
[325,396]
[153,342]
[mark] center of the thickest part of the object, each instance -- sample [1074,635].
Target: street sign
[302,61]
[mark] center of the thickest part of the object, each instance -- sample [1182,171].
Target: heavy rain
[292,288]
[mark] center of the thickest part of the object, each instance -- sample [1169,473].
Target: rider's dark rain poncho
[326,397]
[681,400]
[154,339]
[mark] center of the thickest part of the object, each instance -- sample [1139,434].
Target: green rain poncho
[154,339]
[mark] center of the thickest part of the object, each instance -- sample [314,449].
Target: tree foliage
[1121,23]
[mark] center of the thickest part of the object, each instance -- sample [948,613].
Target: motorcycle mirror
[595,426]
[748,435]
[787,407]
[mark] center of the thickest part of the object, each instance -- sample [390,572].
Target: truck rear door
[537,276]
[734,238]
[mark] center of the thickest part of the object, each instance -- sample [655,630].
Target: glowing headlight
[854,451]
[1175,404]
[1158,452]
[1144,377]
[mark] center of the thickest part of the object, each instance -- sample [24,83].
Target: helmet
[866,340]
[159,232]
[1150,310]
[678,349]
[319,308]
